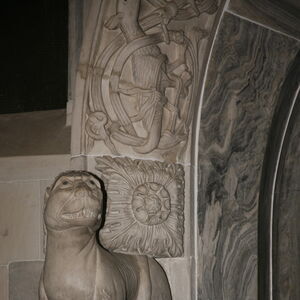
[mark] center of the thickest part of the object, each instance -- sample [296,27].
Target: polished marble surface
[286,240]
[274,206]
[280,15]
[247,69]
[294,3]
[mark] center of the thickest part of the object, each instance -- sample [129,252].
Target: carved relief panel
[142,76]
[145,209]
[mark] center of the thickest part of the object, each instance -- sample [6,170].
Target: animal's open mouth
[84,213]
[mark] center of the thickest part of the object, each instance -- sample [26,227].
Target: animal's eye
[92,182]
[65,183]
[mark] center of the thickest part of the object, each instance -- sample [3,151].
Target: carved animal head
[75,199]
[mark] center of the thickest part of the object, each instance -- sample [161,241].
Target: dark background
[34,55]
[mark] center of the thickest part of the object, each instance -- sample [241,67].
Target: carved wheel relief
[142,79]
[145,206]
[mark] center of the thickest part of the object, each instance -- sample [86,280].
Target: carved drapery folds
[142,75]
[145,206]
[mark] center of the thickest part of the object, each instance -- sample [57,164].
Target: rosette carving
[145,206]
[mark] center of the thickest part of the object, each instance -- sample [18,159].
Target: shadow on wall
[34,133]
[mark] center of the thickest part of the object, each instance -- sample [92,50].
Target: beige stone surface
[32,167]
[24,278]
[34,133]
[178,271]
[19,221]
[3,283]
[43,186]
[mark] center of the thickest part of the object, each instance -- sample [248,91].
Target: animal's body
[76,266]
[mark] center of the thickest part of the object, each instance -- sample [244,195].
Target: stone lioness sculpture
[76,266]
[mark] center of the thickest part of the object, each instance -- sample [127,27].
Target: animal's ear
[46,197]
[113,22]
[47,194]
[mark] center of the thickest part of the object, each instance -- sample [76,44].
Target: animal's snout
[81,190]
[81,193]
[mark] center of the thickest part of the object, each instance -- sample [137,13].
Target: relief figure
[148,64]
[143,78]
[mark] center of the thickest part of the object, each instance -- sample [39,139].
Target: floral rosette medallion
[145,206]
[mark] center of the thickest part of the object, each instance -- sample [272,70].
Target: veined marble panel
[277,14]
[247,69]
[274,206]
[286,239]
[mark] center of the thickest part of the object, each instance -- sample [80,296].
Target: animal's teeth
[85,212]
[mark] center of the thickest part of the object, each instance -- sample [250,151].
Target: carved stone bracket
[145,206]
